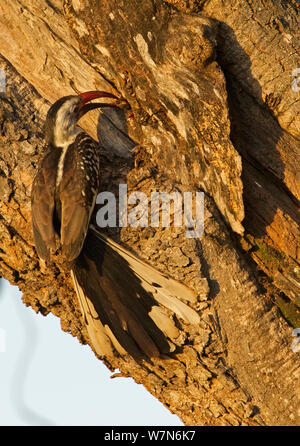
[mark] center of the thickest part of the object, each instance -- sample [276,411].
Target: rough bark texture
[209,85]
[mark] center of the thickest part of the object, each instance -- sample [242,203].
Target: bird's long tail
[127,304]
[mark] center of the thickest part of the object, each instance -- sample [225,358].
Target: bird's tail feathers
[126,303]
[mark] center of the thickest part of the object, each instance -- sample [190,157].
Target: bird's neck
[60,166]
[64,144]
[64,138]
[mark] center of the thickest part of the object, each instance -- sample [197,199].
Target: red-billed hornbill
[123,300]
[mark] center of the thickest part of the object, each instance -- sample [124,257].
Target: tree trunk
[215,102]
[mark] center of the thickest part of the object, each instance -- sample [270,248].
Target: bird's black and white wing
[77,193]
[43,204]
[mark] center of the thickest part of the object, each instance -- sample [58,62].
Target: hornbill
[127,305]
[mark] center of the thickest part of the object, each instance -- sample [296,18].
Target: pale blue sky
[62,383]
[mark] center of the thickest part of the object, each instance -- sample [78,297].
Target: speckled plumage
[70,202]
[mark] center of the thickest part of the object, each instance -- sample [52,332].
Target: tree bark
[209,84]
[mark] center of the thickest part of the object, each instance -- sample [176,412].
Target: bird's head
[61,122]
